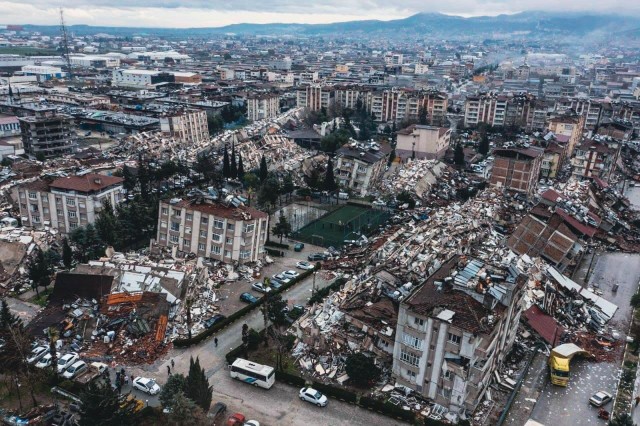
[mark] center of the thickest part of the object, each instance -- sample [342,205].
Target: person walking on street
[637,400]
[168,370]
[215,341]
[172,364]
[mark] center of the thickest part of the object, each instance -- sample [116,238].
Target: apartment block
[397,104]
[140,79]
[66,203]
[568,124]
[47,133]
[500,110]
[216,230]
[517,169]
[314,97]
[186,126]
[455,330]
[595,159]
[360,168]
[423,141]
[260,107]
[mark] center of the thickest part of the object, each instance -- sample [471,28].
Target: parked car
[66,361]
[248,298]
[293,313]
[236,419]
[379,203]
[218,409]
[45,361]
[75,369]
[210,322]
[600,398]
[316,257]
[304,265]
[275,284]
[290,273]
[36,354]
[146,385]
[281,278]
[298,247]
[261,287]
[252,423]
[313,396]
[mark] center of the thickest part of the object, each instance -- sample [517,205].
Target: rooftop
[219,209]
[87,183]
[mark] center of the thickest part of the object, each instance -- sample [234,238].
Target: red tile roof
[575,224]
[546,326]
[87,183]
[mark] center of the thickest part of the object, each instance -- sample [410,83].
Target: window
[411,374]
[249,228]
[447,374]
[228,240]
[204,221]
[81,205]
[186,243]
[446,393]
[412,341]
[177,212]
[189,216]
[203,233]
[174,238]
[231,227]
[227,253]
[218,224]
[35,218]
[245,254]
[163,224]
[175,226]
[409,358]
[72,214]
[163,237]
[22,195]
[58,200]
[71,202]
[201,246]
[83,217]
[33,207]
[215,249]
[418,321]
[32,195]
[165,210]
[455,339]
[73,225]
[60,212]
[187,230]
[216,237]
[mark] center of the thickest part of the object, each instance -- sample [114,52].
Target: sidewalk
[527,397]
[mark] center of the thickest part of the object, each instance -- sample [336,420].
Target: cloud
[207,13]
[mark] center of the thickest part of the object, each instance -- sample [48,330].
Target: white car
[45,361]
[313,396]
[600,398]
[304,265]
[146,385]
[290,274]
[36,354]
[282,278]
[379,203]
[75,369]
[66,361]
[251,423]
[258,286]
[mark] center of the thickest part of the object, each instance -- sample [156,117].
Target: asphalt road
[25,310]
[569,406]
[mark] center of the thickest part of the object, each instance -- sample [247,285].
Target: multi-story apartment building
[595,158]
[314,97]
[570,125]
[591,109]
[187,126]
[47,133]
[423,142]
[455,330]
[517,169]
[554,156]
[9,125]
[213,229]
[397,104]
[360,169]
[140,79]
[260,107]
[500,110]
[66,203]
[348,96]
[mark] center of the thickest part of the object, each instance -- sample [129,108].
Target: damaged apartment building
[455,330]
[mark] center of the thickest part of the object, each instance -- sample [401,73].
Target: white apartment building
[188,126]
[213,230]
[314,97]
[140,79]
[9,126]
[95,61]
[66,203]
[360,169]
[425,141]
[260,107]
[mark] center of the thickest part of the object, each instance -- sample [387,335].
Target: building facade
[517,169]
[570,125]
[67,203]
[47,133]
[314,97]
[360,169]
[262,107]
[424,141]
[453,334]
[214,230]
[595,159]
[187,126]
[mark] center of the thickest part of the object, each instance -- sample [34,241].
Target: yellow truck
[559,361]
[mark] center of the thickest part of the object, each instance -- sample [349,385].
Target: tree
[282,227]
[53,335]
[483,145]
[392,156]
[144,175]
[40,271]
[329,182]
[361,369]
[422,116]
[129,183]
[175,385]
[269,191]
[264,171]
[458,155]
[67,254]
[188,305]
[635,300]
[277,305]
[106,224]
[287,185]
[622,419]
[240,167]
[185,412]
[226,167]
[101,406]
[405,197]
[197,386]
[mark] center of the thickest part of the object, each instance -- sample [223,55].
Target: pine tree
[458,155]
[226,167]
[234,165]
[175,385]
[329,179]
[144,175]
[106,224]
[197,386]
[282,228]
[264,172]
[129,179]
[240,167]
[483,145]
[101,406]
[67,254]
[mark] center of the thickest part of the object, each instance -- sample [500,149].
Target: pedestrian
[173,364]
[637,400]
[215,341]
[126,380]
[132,380]
[168,370]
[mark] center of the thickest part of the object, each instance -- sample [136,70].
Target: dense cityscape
[428,220]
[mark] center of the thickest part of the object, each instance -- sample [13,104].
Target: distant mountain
[425,24]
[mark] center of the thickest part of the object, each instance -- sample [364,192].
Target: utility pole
[65,44]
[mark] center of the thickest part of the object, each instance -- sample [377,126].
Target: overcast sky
[214,13]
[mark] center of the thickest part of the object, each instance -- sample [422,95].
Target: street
[560,406]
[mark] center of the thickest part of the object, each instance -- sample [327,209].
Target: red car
[236,419]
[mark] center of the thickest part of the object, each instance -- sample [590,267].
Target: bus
[252,373]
